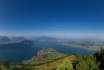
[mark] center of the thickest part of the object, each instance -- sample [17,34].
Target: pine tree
[90,61]
[81,64]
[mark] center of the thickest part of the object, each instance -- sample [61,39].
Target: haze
[54,18]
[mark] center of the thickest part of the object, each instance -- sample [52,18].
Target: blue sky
[55,18]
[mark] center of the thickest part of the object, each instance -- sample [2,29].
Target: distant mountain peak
[45,39]
[4,39]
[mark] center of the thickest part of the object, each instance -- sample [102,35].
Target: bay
[19,55]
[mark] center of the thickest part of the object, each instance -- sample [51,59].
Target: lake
[25,54]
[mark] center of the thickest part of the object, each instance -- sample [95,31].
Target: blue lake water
[25,54]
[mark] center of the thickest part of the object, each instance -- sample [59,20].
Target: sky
[54,18]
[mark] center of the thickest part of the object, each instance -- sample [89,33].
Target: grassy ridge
[54,64]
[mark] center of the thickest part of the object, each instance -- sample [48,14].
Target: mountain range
[21,45]
[15,39]
[45,39]
[5,39]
